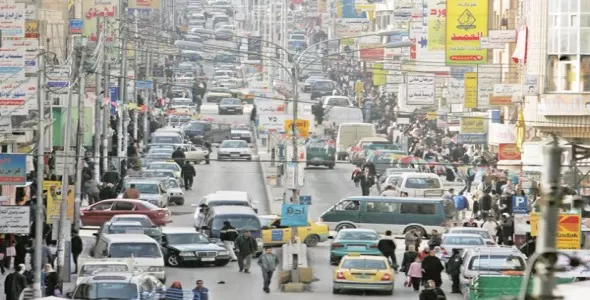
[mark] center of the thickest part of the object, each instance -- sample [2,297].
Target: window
[367,264]
[463,240]
[394,180]
[382,207]
[358,236]
[103,206]
[347,205]
[124,250]
[121,205]
[423,183]
[497,263]
[418,208]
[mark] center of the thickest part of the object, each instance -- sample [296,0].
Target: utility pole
[80,142]
[98,109]
[284,39]
[147,101]
[106,117]
[39,216]
[546,252]
[121,126]
[136,71]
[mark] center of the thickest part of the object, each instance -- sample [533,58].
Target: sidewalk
[274,193]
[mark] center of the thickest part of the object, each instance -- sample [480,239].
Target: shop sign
[508,152]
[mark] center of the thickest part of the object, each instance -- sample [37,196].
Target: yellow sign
[431,115]
[467,22]
[437,20]
[31,29]
[53,189]
[92,9]
[569,228]
[369,9]
[145,4]
[379,75]
[470,90]
[301,127]
[472,125]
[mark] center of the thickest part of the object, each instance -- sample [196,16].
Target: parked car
[183,245]
[230,106]
[102,211]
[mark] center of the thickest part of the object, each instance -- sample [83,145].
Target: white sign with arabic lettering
[531,85]
[507,89]
[31,51]
[456,91]
[484,43]
[275,122]
[12,20]
[394,77]
[14,94]
[268,106]
[12,60]
[15,219]
[421,89]
[31,12]
[487,77]
[502,36]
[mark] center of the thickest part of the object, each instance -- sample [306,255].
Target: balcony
[565,114]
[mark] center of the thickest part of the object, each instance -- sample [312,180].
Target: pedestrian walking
[188,174]
[77,248]
[51,281]
[409,257]
[15,283]
[200,292]
[453,267]
[387,247]
[432,292]
[228,236]
[92,191]
[415,274]
[268,263]
[174,292]
[412,238]
[246,246]
[433,268]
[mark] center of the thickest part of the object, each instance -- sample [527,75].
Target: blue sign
[13,169]
[76,26]
[57,84]
[520,205]
[472,138]
[143,85]
[293,215]
[305,200]
[276,235]
[114,93]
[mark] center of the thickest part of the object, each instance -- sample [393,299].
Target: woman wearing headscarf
[51,281]
[174,292]
[433,268]
[409,258]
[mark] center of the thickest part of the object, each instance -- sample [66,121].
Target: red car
[101,212]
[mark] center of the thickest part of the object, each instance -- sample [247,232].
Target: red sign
[372,54]
[508,152]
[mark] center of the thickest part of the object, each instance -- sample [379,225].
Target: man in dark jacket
[178,156]
[246,246]
[207,145]
[432,267]
[453,266]
[15,283]
[386,246]
[228,236]
[188,173]
[77,247]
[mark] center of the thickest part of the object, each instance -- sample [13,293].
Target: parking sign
[520,205]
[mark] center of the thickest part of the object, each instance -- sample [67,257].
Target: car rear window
[227,203]
[367,264]
[358,235]
[422,183]
[483,234]
[462,240]
[131,249]
[496,263]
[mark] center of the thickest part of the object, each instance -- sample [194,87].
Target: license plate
[235,155]
[362,276]
[208,259]
[357,248]
[230,109]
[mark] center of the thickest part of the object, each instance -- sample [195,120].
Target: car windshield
[366,264]
[145,188]
[90,269]
[423,183]
[338,101]
[161,151]
[132,229]
[358,235]
[219,90]
[484,234]
[167,139]
[106,290]
[239,222]
[317,145]
[195,126]
[265,221]
[171,167]
[186,238]
[234,144]
[313,79]
[323,85]
[463,240]
[227,203]
[230,101]
[157,174]
[496,263]
[143,221]
[125,250]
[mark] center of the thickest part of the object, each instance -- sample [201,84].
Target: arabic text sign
[58,77]
[472,138]
[12,60]
[467,21]
[420,90]
[13,169]
[144,4]
[472,125]
[15,219]
[437,19]
[502,36]
[268,106]
[293,215]
[301,127]
[91,9]
[487,77]
[456,91]
[14,93]
[470,90]
[12,20]
[31,51]
[568,230]
[144,85]
[54,197]
[76,26]
[507,89]
[275,123]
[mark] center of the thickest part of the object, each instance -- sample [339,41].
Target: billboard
[92,9]
[568,230]
[466,24]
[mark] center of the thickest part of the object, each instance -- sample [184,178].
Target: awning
[565,126]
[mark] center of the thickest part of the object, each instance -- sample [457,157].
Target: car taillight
[339,275]
[374,246]
[386,277]
[337,245]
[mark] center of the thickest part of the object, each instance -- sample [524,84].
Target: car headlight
[155,269]
[223,252]
[187,254]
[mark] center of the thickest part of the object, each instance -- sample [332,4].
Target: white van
[349,134]
[422,185]
[145,252]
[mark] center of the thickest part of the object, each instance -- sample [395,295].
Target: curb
[267,188]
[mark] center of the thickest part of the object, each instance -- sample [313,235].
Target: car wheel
[331,166]
[335,291]
[221,263]
[180,201]
[344,226]
[173,260]
[312,240]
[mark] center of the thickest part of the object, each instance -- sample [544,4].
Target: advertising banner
[470,90]
[437,22]
[420,90]
[31,29]
[346,9]
[144,4]
[12,20]
[472,125]
[274,122]
[508,152]
[91,9]
[13,169]
[487,77]
[54,198]
[467,21]
[31,51]
[371,52]
[568,230]
[12,60]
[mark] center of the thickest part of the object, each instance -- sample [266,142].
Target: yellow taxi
[362,272]
[273,234]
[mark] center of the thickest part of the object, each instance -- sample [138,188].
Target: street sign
[305,200]
[520,205]
[58,77]
[293,215]
[301,127]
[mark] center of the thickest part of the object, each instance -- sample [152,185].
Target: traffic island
[298,279]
